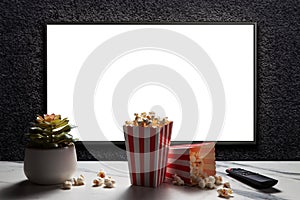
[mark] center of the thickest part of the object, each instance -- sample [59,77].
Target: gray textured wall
[22,68]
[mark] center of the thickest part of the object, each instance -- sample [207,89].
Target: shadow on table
[25,189]
[164,191]
[259,194]
[270,190]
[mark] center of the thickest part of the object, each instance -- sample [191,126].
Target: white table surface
[14,185]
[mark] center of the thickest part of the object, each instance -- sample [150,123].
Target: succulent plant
[50,131]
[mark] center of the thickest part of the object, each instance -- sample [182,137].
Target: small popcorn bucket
[191,160]
[147,153]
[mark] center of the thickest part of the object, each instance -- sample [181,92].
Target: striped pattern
[147,150]
[179,160]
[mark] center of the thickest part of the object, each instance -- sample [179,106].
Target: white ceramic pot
[50,166]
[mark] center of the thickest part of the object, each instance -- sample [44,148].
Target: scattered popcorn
[201,183]
[98,182]
[225,192]
[149,120]
[218,179]
[109,183]
[113,181]
[78,181]
[208,182]
[67,185]
[226,185]
[74,181]
[81,176]
[177,180]
[211,179]
[210,185]
[101,174]
[195,179]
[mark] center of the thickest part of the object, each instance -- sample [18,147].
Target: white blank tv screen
[202,76]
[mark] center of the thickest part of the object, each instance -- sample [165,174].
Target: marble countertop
[14,185]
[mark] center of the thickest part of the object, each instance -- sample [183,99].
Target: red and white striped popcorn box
[191,160]
[147,153]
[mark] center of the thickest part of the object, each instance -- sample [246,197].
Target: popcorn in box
[147,147]
[191,162]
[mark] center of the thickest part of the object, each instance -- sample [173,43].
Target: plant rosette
[50,157]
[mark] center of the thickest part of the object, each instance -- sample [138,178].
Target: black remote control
[250,178]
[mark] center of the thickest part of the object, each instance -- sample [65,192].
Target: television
[202,76]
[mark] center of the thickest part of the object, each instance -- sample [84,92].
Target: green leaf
[35,130]
[42,125]
[72,126]
[48,123]
[64,129]
[57,122]
[34,136]
[50,134]
[62,136]
[61,125]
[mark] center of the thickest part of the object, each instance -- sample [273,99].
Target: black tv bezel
[121,144]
